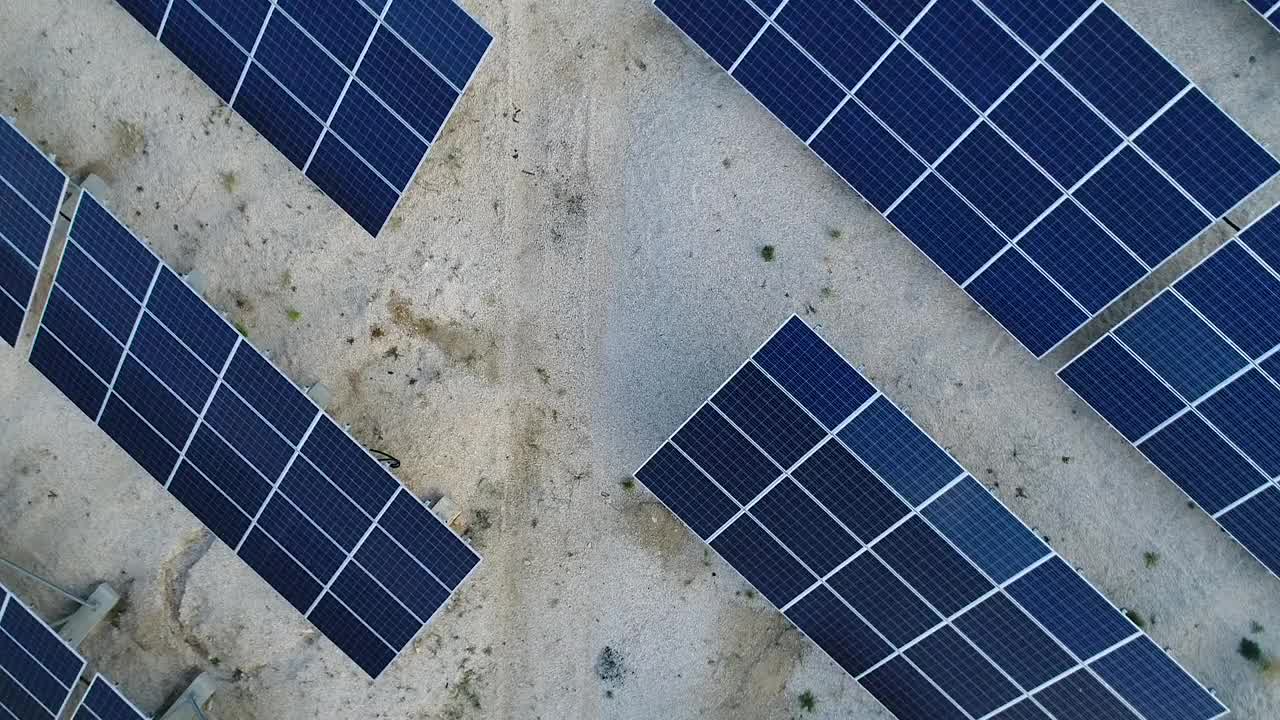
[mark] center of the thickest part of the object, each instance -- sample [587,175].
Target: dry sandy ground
[574,269]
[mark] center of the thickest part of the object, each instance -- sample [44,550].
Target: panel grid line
[915,512]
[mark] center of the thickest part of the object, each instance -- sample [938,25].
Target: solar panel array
[1267,9]
[31,189]
[1193,381]
[241,446]
[105,702]
[1040,152]
[902,567]
[353,92]
[38,670]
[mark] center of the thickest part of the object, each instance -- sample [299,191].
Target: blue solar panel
[1239,295]
[788,83]
[104,702]
[763,561]
[952,609]
[1267,9]
[905,692]
[1089,264]
[726,455]
[1245,411]
[849,54]
[970,50]
[942,576]
[31,189]
[899,452]
[941,224]
[1009,636]
[867,156]
[764,413]
[38,670]
[888,96]
[850,491]
[1025,710]
[1002,184]
[1207,153]
[962,673]
[1068,607]
[1153,229]
[1148,680]
[1253,524]
[800,523]
[1081,696]
[888,604]
[1263,238]
[1179,346]
[1038,22]
[853,644]
[352,94]
[1115,383]
[1211,337]
[1056,128]
[239,444]
[979,526]
[1117,71]
[929,118]
[1202,462]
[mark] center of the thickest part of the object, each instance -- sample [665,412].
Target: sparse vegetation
[1251,651]
[628,484]
[807,701]
[1136,618]
[240,328]
[768,252]
[230,181]
[1150,558]
[293,314]
[827,293]
[1255,627]
[835,233]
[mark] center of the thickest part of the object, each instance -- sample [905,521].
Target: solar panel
[911,576]
[31,189]
[241,447]
[353,92]
[105,702]
[38,670]
[1042,154]
[1191,380]
[1267,9]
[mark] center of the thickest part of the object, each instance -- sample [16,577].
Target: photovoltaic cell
[38,670]
[31,189]
[904,569]
[105,702]
[242,447]
[352,93]
[1025,147]
[1191,380]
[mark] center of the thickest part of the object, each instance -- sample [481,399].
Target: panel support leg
[189,705]
[77,626]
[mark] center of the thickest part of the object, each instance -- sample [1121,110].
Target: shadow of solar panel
[241,446]
[1191,380]
[904,569]
[979,128]
[105,702]
[38,670]
[31,190]
[291,68]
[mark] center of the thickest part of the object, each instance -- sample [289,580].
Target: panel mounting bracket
[189,704]
[77,626]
